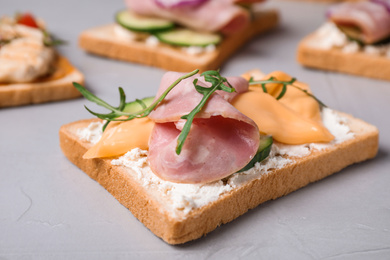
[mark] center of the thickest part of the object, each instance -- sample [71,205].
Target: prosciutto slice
[221,141]
[371,19]
[212,16]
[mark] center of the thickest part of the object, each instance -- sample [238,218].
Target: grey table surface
[49,209]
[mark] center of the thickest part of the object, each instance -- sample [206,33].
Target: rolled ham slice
[221,141]
[368,22]
[211,16]
[385,3]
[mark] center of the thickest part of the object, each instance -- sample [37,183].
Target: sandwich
[32,71]
[355,40]
[206,148]
[179,35]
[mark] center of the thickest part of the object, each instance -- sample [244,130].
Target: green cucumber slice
[263,151]
[134,22]
[186,38]
[136,106]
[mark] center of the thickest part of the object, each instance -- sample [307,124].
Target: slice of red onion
[385,3]
[178,3]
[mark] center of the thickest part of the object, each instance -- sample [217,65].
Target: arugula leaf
[217,82]
[50,41]
[285,84]
[117,112]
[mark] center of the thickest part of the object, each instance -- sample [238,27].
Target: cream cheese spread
[128,36]
[152,41]
[182,198]
[329,36]
[123,34]
[196,50]
[25,57]
[92,133]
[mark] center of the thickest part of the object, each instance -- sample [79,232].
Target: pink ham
[385,3]
[371,18]
[221,140]
[211,16]
[240,85]
[246,1]
[183,98]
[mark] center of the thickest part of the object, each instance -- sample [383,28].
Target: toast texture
[103,41]
[54,88]
[199,221]
[360,63]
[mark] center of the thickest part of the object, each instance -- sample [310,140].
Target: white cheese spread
[25,58]
[152,41]
[351,47]
[182,198]
[92,133]
[196,50]
[329,36]
[126,35]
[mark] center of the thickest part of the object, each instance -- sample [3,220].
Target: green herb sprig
[118,111]
[51,41]
[273,80]
[217,82]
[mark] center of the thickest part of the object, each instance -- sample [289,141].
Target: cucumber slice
[186,38]
[262,152]
[134,22]
[135,106]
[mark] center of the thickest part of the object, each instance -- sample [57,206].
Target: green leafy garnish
[217,82]
[273,80]
[118,111]
[50,41]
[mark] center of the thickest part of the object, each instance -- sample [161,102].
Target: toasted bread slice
[103,41]
[57,86]
[153,211]
[358,63]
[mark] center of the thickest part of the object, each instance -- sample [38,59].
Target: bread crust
[18,94]
[360,63]
[102,41]
[200,221]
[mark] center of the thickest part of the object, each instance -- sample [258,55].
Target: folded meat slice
[211,16]
[183,98]
[368,22]
[385,3]
[246,1]
[221,141]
